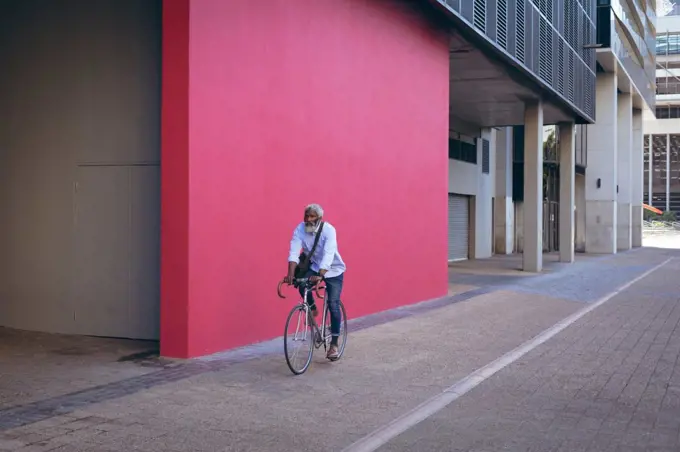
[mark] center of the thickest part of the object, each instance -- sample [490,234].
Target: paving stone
[37,448]
[42,435]
[604,443]
[11,444]
[659,439]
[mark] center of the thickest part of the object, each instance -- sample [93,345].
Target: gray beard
[309,228]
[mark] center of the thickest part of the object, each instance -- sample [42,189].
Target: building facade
[626,33]
[158,153]
[539,56]
[662,129]
[604,44]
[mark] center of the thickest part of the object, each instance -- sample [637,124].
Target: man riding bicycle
[325,263]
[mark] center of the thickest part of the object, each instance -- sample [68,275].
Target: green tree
[669,216]
[650,216]
[666,216]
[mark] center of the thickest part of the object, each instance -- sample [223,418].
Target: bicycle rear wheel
[298,340]
[342,339]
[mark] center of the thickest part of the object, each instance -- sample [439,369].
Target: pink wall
[175,179]
[344,103]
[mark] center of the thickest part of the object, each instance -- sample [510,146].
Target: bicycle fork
[319,332]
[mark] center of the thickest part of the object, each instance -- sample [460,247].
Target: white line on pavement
[383,435]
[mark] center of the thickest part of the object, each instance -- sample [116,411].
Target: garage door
[458,227]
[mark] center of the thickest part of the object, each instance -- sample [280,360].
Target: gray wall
[79,166]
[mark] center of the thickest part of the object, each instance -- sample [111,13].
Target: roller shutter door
[458,227]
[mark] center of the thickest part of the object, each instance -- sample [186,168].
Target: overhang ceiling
[486,91]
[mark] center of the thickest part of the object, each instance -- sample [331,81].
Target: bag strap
[316,241]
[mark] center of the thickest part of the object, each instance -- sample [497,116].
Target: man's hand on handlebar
[309,283]
[290,280]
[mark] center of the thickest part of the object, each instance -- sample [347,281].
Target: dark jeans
[333,291]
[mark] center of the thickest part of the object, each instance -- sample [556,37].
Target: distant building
[662,134]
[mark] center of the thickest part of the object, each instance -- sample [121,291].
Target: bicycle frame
[322,333]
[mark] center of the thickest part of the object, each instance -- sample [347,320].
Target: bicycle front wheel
[298,340]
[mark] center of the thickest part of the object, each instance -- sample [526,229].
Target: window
[658,153]
[646,167]
[662,112]
[668,43]
[551,144]
[666,85]
[581,145]
[668,112]
[462,150]
[674,157]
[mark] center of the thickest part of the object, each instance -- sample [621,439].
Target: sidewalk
[248,400]
[610,382]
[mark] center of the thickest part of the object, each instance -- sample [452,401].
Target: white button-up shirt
[326,256]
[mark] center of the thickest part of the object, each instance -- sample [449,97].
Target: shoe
[333,353]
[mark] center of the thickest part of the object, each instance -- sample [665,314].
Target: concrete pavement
[669,240]
[612,372]
[37,366]
[609,382]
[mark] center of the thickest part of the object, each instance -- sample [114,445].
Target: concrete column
[601,177]
[504,215]
[482,206]
[624,141]
[638,178]
[519,227]
[651,170]
[668,172]
[532,258]
[580,214]
[567,191]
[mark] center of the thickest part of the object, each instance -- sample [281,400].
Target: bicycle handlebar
[297,282]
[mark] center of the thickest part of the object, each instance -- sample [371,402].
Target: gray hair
[317,209]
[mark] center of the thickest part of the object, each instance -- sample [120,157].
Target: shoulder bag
[306,259]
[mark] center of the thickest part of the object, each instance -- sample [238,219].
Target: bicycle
[306,330]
